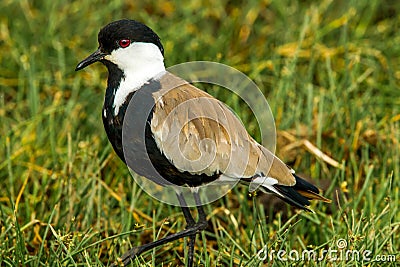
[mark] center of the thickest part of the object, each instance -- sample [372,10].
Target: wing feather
[201,135]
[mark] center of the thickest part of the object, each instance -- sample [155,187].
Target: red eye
[124,43]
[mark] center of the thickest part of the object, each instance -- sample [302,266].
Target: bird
[134,57]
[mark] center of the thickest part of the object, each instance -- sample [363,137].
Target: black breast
[137,131]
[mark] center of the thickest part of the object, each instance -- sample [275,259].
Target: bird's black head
[120,35]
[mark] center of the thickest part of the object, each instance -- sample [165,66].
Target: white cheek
[139,62]
[136,54]
[120,57]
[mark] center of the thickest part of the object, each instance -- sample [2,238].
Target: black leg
[201,223]
[186,211]
[202,214]
[191,231]
[190,223]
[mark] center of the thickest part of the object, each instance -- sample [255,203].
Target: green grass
[330,71]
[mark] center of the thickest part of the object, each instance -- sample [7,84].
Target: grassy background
[330,70]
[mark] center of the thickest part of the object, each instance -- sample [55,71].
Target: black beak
[96,56]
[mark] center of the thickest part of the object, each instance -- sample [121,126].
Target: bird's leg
[189,224]
[191,230]
[201,224]
[202,214]
[186,211]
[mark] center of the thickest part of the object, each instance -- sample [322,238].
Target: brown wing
[199,134]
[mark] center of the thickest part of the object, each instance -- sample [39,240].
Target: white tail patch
[266,182]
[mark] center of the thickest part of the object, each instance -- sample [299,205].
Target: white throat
[139,62]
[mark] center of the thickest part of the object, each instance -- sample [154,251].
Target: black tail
[299,194]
